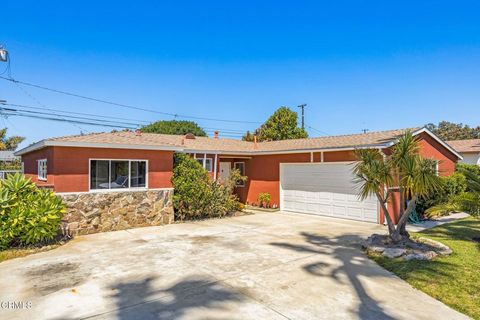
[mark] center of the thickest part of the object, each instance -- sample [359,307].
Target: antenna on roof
[365,130]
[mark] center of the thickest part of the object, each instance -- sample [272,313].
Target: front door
[224,170]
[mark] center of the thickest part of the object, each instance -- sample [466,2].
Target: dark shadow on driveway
[345,249]
[141,300]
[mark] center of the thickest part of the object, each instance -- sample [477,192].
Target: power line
[28,94]
[319,131]
[16,113]
[121,104]
[91,116]
[77,113]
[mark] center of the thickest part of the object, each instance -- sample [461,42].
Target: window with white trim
[118,174]
[42,169]
[208,163]
[240,166]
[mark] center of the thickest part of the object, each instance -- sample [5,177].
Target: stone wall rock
[108,211]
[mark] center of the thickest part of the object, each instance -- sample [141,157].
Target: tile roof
[469,145]
[231,145]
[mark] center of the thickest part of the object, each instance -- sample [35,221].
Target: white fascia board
[32,147]
[256,153]
[436,138]
[47,143]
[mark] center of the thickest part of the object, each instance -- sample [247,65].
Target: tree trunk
[402,222]
[391,226]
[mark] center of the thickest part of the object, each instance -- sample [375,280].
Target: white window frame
[242,184]
[109,175]
[42,169]
[207,161]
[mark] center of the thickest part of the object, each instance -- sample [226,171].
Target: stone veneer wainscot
[108,211]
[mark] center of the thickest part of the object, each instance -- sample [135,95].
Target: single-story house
[310,175]
[469,149]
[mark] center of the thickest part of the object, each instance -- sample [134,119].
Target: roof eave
[435,137]
[51,143]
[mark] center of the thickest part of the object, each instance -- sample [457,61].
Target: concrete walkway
[428,224]
[263,266]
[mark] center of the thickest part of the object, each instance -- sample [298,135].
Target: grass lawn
[22,252]
[455,279]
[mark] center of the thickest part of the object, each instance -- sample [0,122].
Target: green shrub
[198,196]
[264,199]
[452,185]
[28,215]
[465,196]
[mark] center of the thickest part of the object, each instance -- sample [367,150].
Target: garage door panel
[325,189]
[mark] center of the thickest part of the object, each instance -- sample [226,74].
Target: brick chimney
[255,141]
[215,134]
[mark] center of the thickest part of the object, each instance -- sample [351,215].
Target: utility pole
[3,58]
[302,106]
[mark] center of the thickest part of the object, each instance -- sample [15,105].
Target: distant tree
[174,127]
[282,125]
[10,143]
[248,136]
[454,131]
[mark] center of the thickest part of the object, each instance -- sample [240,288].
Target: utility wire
[128,121]
[121,104]
[76,113]
[319,131]
[28,94]
[10,113]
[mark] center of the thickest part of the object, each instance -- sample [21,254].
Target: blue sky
[357,64]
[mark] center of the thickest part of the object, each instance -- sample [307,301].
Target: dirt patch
[50,278]
[203,239]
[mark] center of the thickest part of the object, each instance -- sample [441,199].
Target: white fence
[5,173]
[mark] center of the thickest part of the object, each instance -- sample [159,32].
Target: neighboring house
[469,149]
[303,175]
[9,163]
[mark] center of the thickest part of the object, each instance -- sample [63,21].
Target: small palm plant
[403,171]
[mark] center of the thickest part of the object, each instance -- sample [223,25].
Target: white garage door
[324,189]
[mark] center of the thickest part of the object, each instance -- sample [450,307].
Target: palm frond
[371,172]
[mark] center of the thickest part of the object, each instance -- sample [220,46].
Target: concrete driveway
[264,266]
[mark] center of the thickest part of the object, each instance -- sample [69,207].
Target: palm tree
[9,143]
[403,171]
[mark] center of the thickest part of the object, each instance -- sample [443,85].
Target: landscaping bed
[22,252]
[453,279]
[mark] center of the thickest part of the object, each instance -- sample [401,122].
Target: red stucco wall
[263,174]
[68,167]
[30,165]
[430,148]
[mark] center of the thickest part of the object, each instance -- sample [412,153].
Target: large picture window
[118,174]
